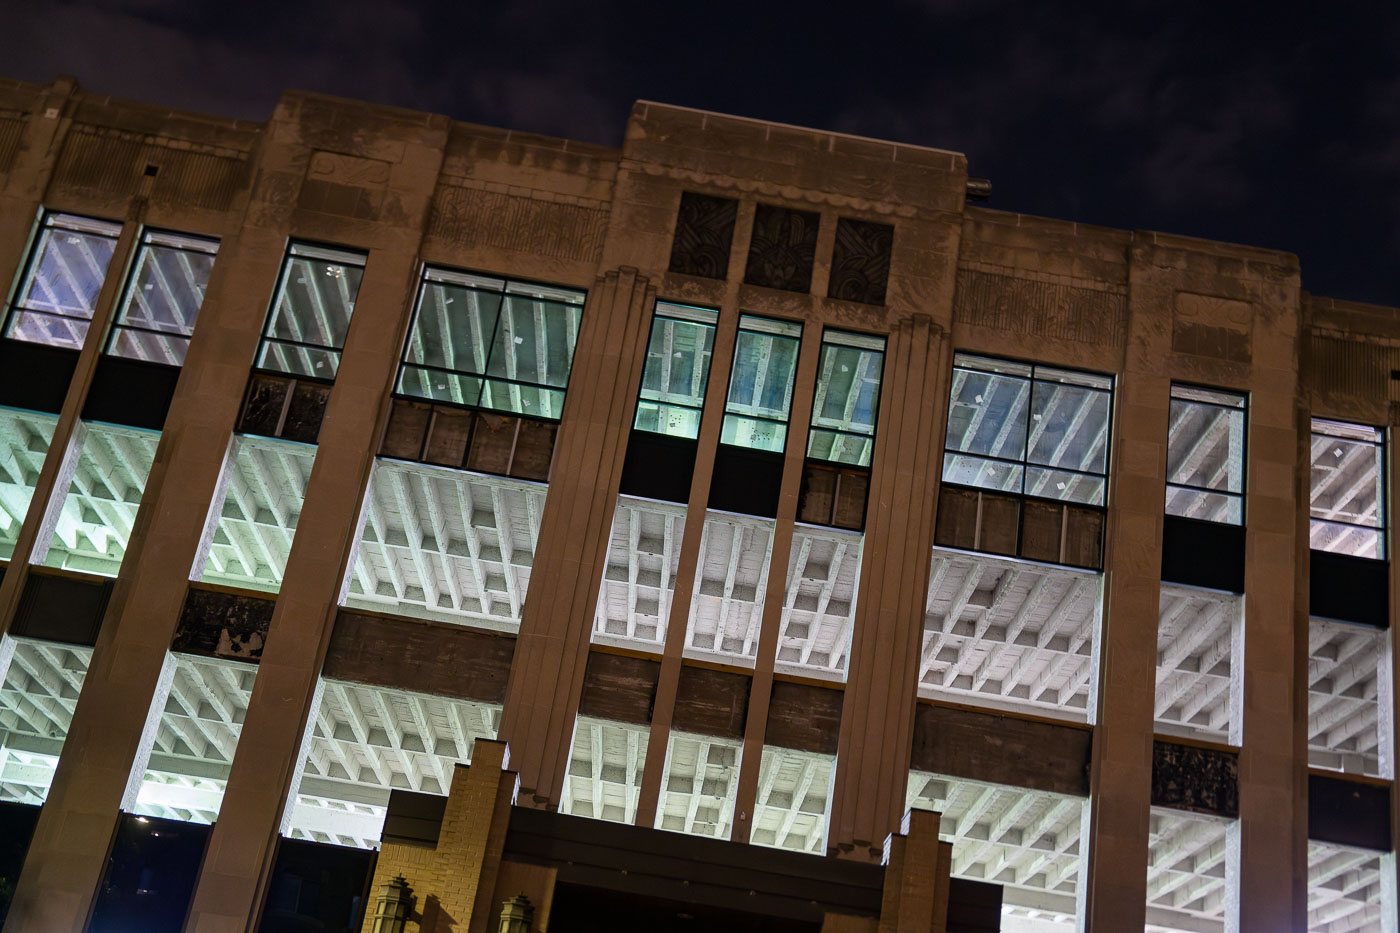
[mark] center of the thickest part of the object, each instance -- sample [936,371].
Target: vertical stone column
[877,718]
[22,194]
[1113,885]
[1389,672]
[916,877]
[551,650]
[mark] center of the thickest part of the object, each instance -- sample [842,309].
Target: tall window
[1206,455]
[163,297]
[482,342]
[760,384]
[1027,429]
[67,266]
[1348,489]
[311,314]
[677,370]
[847,398]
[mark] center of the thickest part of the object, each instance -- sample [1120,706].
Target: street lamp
[395,904]
[516,915]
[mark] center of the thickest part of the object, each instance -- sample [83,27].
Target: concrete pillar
[551,649]
[877,719]
[22,194]
[916,877]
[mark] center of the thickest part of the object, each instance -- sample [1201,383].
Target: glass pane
[1069,427]
[24,442]
[256,512]
[985,474]
[1347,479]
[701,783]
[848,389]
[350,768]
[836,447]
[297,360]
[314,304]
[604,779]
[1205,446]
[1196,634]
[987,414]
[1349,684]
[99,507]
[166,288]
[1061,484]
[522,399]
[752,432]
[169,349]
[644,552]
[447,545]
[440,386]
[726,609]
[40,692]
[1207,506]
[196,739]
[534,341]
[676,374]
[68,265]
[1346,539]
[453,328]
[794,800]
[760,383]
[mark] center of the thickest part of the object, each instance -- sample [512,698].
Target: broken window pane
[1206,455]
[700,785]
[67,266]
[163,297]
[604,779]
[1349,691]
[793,802]
[677,370]
[1010,635]
[1197,632]
[726,610]
[40,692]
[99,508]
[446,544]
[24,443]
[367,741]
[1034,430]
[196,739]
[639,580]
[760,384]
[847,398]
[255,512]
[311,315]
[1027,841]
[484,342]
[820,605]
[1348,489]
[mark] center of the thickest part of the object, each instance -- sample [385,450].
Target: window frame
[785,423]
[123,299]
[697,313]
[1025,463]
[264,338]
[1243,494]
[1382,528]
[812,425]
[483,377]
[13,305]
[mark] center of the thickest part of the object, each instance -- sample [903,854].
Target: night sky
[1221,120]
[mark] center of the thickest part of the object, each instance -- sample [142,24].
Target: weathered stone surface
[1189,777]
[860,265]
[783,248]
[224,625]
[704,233]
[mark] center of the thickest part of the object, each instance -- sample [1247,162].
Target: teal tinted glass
[847,398]
[760,384]
[677,370]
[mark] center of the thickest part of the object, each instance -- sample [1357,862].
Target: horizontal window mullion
[470,374]
[1342,521]
[283,341]
[58,314]
[181,335]
[1214,492]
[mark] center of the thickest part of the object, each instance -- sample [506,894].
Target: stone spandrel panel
[1207,325]
[783,248]
[114,163]
[860,264]
[1188,777]
[704,234]
[470,214]
[1040,305]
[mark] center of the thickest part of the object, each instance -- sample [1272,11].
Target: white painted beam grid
[445,544]
[726,608]
[99,507]
[1196,635]
[37,700]
[1348,697]
[793,803]
[639,580]
[604,779]
[700,786]
[1187,891]
[819,606]
[24,442]
[257,512]
[1025,840]
[1010,634]
[1344,890]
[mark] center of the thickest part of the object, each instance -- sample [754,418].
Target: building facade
[744,482]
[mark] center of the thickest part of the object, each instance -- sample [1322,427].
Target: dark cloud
[1275,125]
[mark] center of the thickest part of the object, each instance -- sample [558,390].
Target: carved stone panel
[1205,325]
[343,184]
[860,264]
[224,625]
[704,233]
[783,248]
[1188,777]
